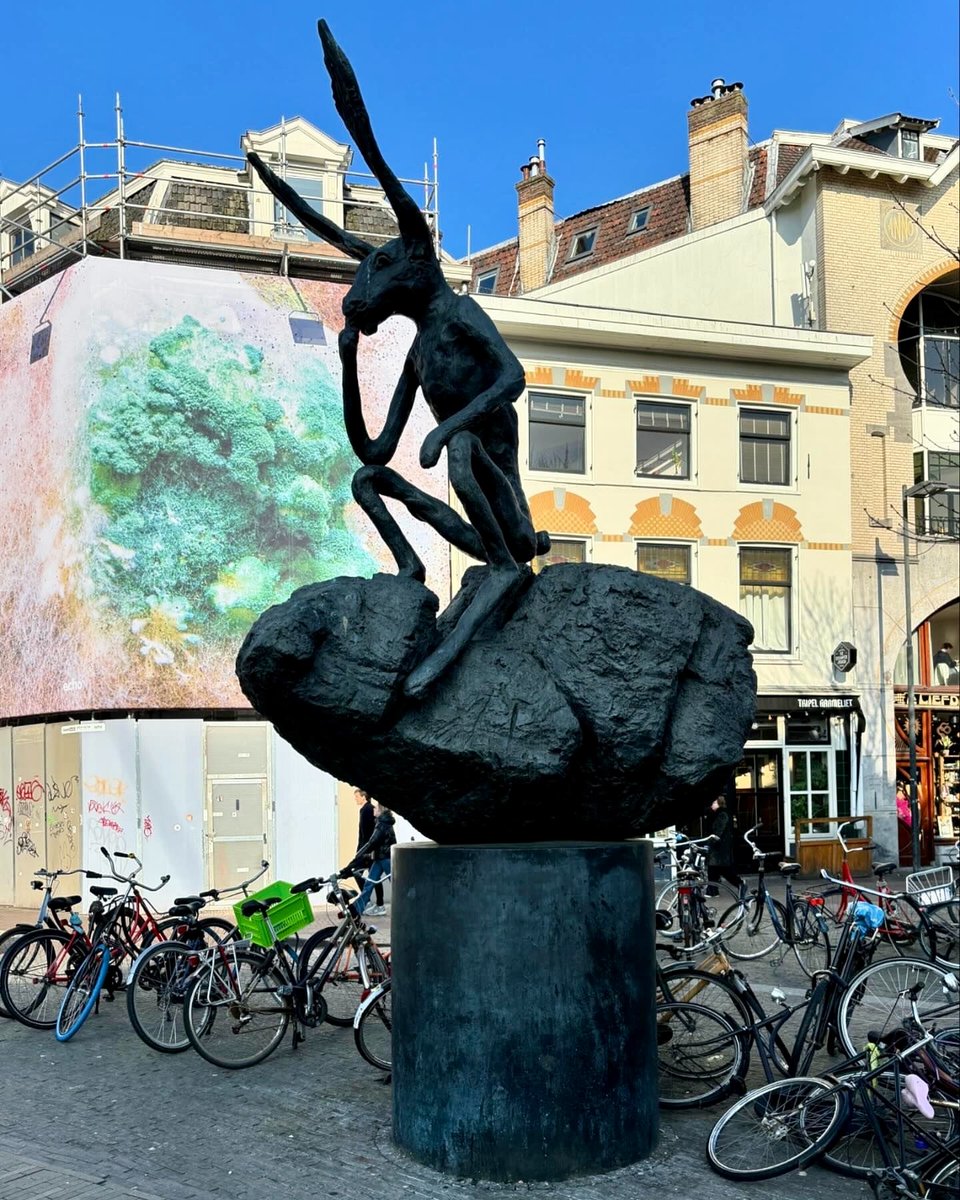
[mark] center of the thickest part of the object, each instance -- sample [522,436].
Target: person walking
[720,852]
[366,822]
[375,852]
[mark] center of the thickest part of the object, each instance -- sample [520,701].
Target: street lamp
[924,489]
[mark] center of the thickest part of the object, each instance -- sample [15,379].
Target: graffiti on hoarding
[105,808]
[30,791]
[57,790]
[147,827]
[25,845]
[6,818]
[101,786]
[107,823]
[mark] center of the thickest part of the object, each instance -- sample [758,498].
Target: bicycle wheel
[698,1055]
[7,939]
[878,999]
[811,941]
[938,938]
[856,1152]
[156,986]
[373,1028]
[346,984]
[753,935]
[904,925]
[810,1030]
[726,896]
[34,973]
[82,992]
[234,1012]
[780,1127]
[945,1182]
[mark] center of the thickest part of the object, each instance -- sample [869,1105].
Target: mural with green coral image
[195,471]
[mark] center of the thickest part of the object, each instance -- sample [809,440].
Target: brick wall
[187,198]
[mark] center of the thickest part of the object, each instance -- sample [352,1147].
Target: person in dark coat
[367,820]
[376,853]
[720,852]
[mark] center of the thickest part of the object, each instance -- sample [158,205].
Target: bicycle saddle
[103,892]
[62,903]
[197,900]
[186,910]
[789,868]
[250,908]
[915,1092]
[884,868]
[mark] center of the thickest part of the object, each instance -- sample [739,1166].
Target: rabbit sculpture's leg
[371,484]
[492,506]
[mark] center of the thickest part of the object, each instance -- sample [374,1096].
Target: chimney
[717,127]
[535,220]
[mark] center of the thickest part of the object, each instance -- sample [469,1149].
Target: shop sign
[823,704]
[923,699]
[844,658]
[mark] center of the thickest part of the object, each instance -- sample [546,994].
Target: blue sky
[608,87]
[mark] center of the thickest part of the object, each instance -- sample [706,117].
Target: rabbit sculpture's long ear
[346,96]
[307,215]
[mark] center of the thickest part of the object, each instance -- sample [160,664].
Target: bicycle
[110,944]
[48,916]
[373,1027]
[754,928]
[157,979]
[691,856]
[786,1125]
[238,1004]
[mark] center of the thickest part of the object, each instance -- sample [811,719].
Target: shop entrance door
[759,800]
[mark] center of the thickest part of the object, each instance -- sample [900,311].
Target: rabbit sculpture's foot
[498,585]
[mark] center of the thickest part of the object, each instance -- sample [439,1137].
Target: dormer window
[583,243]
[310,188]
[910,144]
[638,222]
[487,282]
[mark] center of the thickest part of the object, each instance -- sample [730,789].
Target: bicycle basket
[292,913]
[932,886]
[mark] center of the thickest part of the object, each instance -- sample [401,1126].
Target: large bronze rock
[603,705]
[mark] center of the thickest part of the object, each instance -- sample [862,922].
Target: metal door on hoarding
[236,829]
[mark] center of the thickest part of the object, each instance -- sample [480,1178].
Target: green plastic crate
[292,913]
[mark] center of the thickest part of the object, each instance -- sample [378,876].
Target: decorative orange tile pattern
[649,383]
[574,378]
[752,392]
[825,411]
[613,393]
[681,522]
[718,541]
[783,395]
[539,375]
[720,401]
[683,387]
[571,515]
[827,546]
[782,526]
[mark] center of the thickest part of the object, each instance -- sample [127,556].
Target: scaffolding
[50,219]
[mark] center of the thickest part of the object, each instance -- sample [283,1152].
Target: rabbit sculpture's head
[398,278]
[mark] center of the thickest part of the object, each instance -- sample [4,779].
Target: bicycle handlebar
[856,887]
[216,893]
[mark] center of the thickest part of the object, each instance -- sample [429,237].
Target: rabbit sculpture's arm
[379,450]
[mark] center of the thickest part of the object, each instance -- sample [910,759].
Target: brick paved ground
[104,1117]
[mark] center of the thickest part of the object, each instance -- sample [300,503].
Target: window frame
[633,227]
[532,396]
[575,255]
[791,426]
[914,135]
[667,543]
[564,540]
[790,588]
[284,222]
[665,403]
[482,277]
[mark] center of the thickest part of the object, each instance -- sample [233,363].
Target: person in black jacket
[375,853]
[367,820]
[720,852]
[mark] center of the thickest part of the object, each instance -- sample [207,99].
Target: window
[910,144]
[765,579]
[664,560]
[663,440]
[562,550]
[311,189]
[929,343]
[809,779]
[638,222]
[22,241]
[582,244]
[557,432]
[487,282]
[764,446]
[939,514]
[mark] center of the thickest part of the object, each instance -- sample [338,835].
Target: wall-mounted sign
[844,658]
